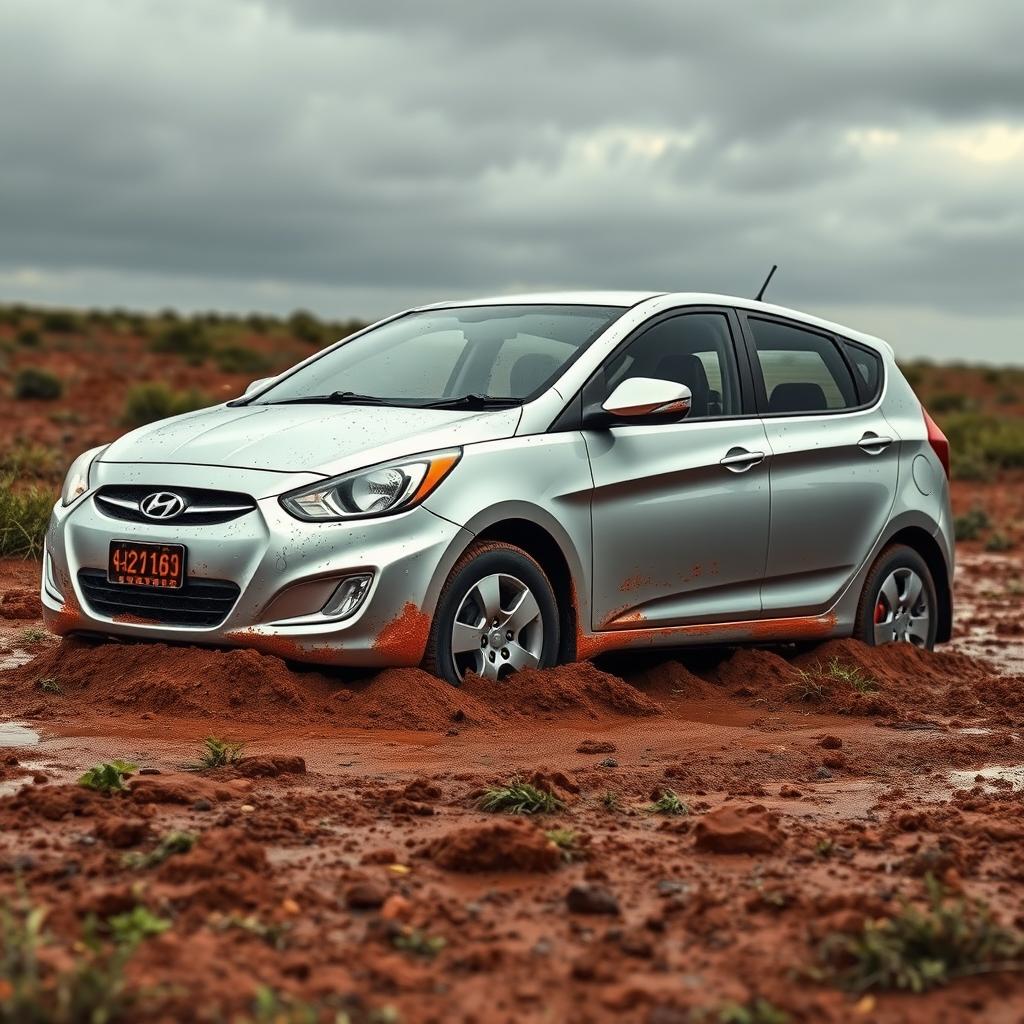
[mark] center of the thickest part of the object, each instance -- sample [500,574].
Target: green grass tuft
[172,844]
[109,776]
[518,797]
[670,803]
[216,753]
[146,403]
[41,385]
[920,949]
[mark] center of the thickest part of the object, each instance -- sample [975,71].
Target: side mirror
[257,384]
[639,397]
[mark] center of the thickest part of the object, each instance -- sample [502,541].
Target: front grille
[202,507]
[198,603]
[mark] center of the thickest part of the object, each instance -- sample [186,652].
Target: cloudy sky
[356,157]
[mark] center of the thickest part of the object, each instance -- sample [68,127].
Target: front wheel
[898,604]
[496,614]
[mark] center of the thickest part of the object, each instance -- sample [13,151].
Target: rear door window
[803,372]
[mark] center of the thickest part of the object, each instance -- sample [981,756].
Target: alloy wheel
[902,613]
[498,628]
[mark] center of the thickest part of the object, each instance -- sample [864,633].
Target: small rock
[834,762]
[366,894]
[789,792]
[149,771]
[202,805]
[831,743]
[671,886]
[591,899]
[396,908]
[823,774]
[608,762]
[738,829]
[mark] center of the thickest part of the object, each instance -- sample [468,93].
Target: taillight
[938,440]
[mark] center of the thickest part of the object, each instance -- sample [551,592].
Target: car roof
[627,299]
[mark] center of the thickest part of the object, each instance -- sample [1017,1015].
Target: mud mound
[20,604]
[751,672]
[409,698]
[671,679]
[580,687]
[499,846]
[197,681]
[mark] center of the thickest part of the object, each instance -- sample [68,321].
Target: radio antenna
[760,294]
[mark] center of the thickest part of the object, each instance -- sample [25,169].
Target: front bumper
[285,571]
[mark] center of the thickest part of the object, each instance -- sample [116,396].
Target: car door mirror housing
[643,397]
[257,384]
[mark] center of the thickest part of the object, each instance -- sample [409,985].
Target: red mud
[345,862]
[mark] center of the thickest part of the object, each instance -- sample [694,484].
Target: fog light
[348,596]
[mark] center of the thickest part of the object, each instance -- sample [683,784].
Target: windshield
[498,355]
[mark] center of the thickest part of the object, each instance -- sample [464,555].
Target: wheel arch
[928,548]
[562,568]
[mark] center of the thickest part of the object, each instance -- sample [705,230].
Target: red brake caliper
[879,612]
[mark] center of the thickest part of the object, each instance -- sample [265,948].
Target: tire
[883,615]
[493,580]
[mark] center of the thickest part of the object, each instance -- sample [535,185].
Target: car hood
[326,439]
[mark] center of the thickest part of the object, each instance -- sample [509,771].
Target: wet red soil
[345,861]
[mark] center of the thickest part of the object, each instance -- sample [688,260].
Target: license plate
[146,565]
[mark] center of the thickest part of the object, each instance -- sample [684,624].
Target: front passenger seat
[687,369]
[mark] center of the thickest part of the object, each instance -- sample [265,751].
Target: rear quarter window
[867,370]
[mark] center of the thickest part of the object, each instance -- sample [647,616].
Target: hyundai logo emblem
[163,505]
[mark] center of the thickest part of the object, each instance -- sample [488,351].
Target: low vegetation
[32,383]
[24,517]
[216,753]
[922,948]
[519,797]
[42,984]
[668,802]
[567,841]
[418,943]
[187,339]
[971,524]
[172,844]
[109,776]
[146,403]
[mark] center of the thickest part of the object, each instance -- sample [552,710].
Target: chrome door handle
[739,460]
[874,444]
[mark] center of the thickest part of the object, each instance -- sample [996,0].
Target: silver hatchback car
[512,482]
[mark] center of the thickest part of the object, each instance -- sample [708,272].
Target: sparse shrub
[135,925]
[187,339]
[753,1011]
[995,440]
[669,803]
[304,326]
[238,359]
[610,801]
[418,942]
[919,949]
[173,843]
[970,525]
[28,338]
[946,401]
[33,383]
[24,517]
[60,321]
[146,403]
[519,797]
[32,461]
[567,841]
[216,753]
[50,685]
[998,542]
[1007,398]
[32,636]
[108,777]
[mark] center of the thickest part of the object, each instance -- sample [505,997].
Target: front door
[680,510]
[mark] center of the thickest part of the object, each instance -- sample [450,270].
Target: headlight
[379,491]
[76,483]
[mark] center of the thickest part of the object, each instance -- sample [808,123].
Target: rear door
[834,462]
[680,509]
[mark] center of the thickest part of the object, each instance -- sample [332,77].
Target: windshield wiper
[472,402]
[335,398]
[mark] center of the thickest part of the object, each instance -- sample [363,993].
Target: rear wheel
[497,614]
[899,603]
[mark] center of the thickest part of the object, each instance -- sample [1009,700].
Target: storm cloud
[358,158]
